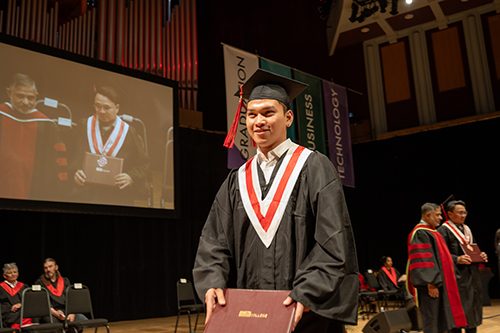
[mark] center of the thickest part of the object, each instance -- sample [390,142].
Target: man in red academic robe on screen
[33,160]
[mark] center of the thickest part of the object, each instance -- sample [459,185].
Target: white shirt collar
[274,153]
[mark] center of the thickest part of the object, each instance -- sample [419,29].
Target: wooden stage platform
[491,323]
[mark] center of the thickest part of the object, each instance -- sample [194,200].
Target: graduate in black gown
[107,135]
[456,232]
[388,276]
[280,222]
[431,274]
[56,285]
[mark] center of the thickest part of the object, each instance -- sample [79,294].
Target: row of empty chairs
[36,304]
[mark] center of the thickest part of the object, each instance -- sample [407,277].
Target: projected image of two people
[94,148]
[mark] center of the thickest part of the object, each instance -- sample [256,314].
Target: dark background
[131,263]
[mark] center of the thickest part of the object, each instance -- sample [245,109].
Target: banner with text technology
[238,67]
[338,129]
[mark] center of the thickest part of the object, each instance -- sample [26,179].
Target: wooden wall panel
[448,59]
[395,72]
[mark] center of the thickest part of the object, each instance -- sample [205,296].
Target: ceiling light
[365,30]
[409,16]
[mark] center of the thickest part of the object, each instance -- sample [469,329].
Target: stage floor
[491,323]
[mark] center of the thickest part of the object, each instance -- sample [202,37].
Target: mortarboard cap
[267,85]
[264,85]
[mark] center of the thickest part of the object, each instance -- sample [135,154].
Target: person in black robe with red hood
[56,284]
[10,297]
[280,222]
[431,274]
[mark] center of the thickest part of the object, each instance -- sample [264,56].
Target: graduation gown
[9,297]
[34,164]
[386,282]
[430,262]
[135,164]
[468,279]
[312,253]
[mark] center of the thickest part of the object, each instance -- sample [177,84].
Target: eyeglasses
[105,107]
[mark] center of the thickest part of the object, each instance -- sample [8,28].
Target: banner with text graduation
[338,129]
[238,67]
[285,71]
[309,113]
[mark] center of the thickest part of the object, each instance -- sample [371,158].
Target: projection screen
[77,131]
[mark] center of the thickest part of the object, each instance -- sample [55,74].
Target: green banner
[309,113]
[286,72]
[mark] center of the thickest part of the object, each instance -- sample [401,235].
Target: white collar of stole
[115,140]
[266,214]
[463,237]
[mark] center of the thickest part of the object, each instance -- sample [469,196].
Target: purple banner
[338,131]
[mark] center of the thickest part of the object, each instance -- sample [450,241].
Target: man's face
[11,275]
[267,122]
[435,217]
[50,269]
[105,109]
[22,98]
[458,214]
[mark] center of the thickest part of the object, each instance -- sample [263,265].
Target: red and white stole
[266,214]
[114,142]
[462,238]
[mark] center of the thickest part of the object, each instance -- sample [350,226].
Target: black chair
[382,295]
[78,301]
[36,304]
[6,329]
[187,303]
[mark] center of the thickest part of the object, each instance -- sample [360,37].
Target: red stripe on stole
[265,221]
[420,255]
[118,137]
[94,136]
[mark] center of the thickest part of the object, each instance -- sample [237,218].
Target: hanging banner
[309,115]
[238,67]
[285,71]
[338,129]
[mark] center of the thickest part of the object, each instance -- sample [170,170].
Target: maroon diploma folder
[252,311]
[101,169]
[473,251]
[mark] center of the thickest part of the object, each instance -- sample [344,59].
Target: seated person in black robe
[10,297]
[303,242]
[56,284]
